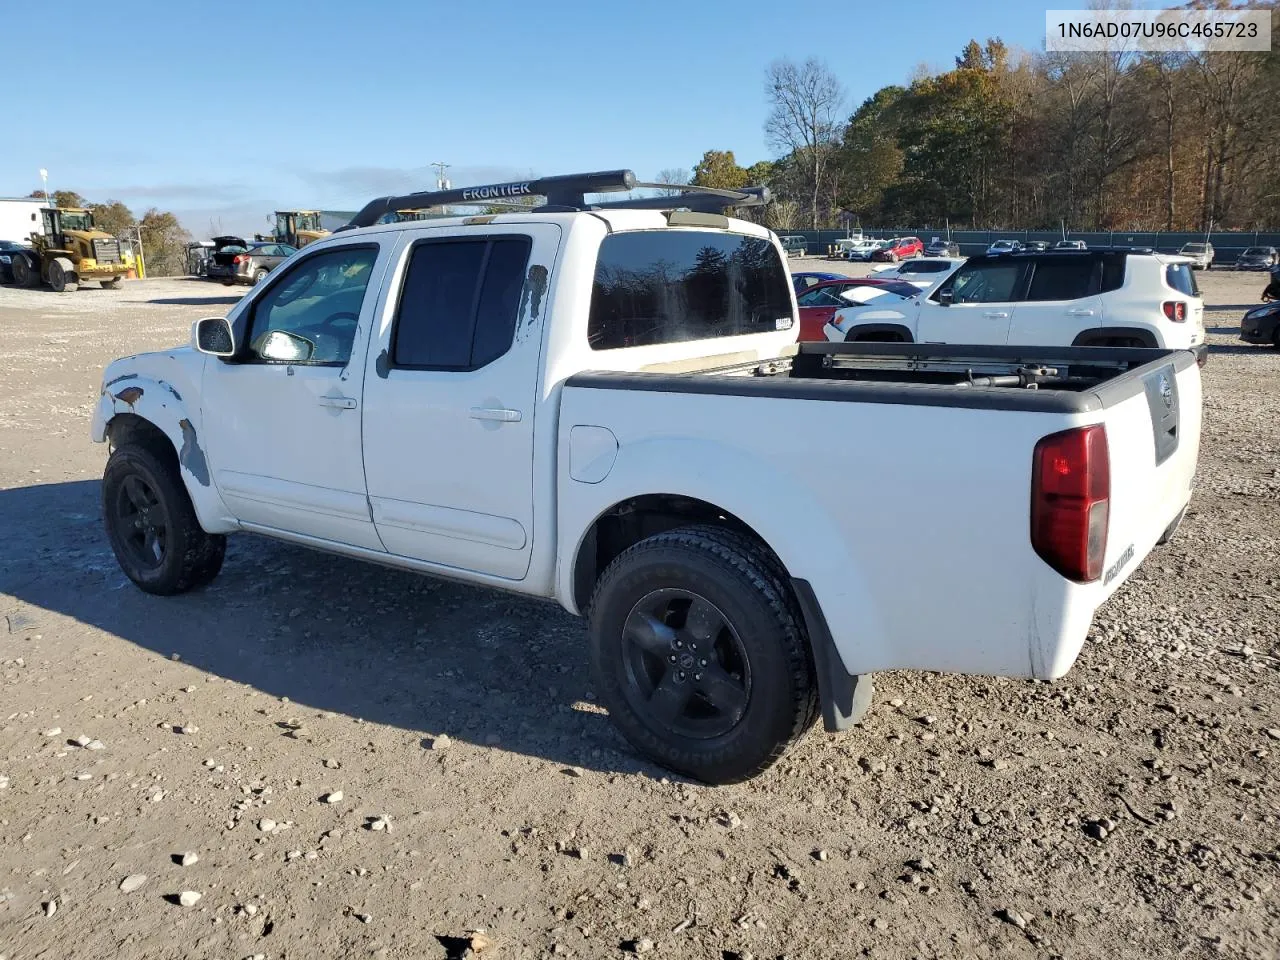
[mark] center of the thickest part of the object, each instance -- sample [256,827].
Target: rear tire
[152,526]
[259,276]
[727,711]
[25,273]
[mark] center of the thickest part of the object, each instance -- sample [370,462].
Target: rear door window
[459,303]
[1181,277]
[671,286]
[1064,278]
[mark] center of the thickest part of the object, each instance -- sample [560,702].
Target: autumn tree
[719,168]
[113,217]
[164,243]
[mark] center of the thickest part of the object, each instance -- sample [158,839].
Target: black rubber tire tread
[748,545]
[784,700]
[198,555]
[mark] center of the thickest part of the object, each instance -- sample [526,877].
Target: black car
[1257,258]
[1262,325]
[1035,246]
[7,249]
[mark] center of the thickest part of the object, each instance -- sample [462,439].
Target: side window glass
[986,283]
[310,315]
[1062,278]
[459,303]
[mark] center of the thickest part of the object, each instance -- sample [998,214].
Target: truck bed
[1031,379]
[896,480]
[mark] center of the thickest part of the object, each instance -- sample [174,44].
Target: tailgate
[1152,419]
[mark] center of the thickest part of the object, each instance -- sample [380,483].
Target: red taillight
[1175,310]
[240,258]
[1070,501]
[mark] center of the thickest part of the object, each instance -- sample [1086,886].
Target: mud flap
[845,698]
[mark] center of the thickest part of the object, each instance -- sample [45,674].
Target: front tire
[152,526]
[62,276]
[698,651]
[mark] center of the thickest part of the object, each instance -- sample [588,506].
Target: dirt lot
[1129,810]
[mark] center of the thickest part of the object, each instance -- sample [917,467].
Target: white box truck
[19,218]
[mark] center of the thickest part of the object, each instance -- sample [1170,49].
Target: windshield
[76,221]
[1257,252]
[1194,248]
[308,221]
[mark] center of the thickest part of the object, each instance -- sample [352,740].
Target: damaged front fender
[160,404]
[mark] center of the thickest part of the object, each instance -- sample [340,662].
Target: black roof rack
[566,194]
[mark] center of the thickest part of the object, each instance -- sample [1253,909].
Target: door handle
[342,403]
[501,414]
[1079,313]
[997,314]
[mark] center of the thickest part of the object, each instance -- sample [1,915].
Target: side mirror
[212,335]
[946,297]
[284,346]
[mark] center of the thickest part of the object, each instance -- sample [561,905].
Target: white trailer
[19,218]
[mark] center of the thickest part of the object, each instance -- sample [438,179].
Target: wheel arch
[878,332]
[137,409]
[1100,336]
[636,518]
[844,697]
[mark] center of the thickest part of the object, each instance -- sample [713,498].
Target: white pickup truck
[607,407]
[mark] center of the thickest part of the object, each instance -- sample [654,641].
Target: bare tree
[782,214]
[806,101]
[674,175]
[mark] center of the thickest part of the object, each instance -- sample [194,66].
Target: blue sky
[223,111]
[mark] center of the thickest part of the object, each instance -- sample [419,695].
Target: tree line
[164,239]
[1097,141]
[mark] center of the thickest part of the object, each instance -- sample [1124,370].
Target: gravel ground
[358,762]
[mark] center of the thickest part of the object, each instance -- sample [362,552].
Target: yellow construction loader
[297,228]
[69,251]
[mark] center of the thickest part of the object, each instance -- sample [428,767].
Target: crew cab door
[983,296]
[1062,300]
[450,396]
[282,417]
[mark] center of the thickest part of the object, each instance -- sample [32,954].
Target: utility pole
[441,182]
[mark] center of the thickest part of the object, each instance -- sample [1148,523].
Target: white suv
[924,272]
[1056,298]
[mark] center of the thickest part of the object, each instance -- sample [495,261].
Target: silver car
[1200,254]
[248,262]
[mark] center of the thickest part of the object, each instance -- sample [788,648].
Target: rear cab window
[672,286]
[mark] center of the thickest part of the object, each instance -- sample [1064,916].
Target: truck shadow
[329,633]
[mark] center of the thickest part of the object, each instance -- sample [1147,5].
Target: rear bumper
[1259,331]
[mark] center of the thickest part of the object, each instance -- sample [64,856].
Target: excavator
[68,251]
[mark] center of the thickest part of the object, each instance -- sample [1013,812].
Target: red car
[819,303]
[900,249]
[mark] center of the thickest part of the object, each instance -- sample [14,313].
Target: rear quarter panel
[910,522]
